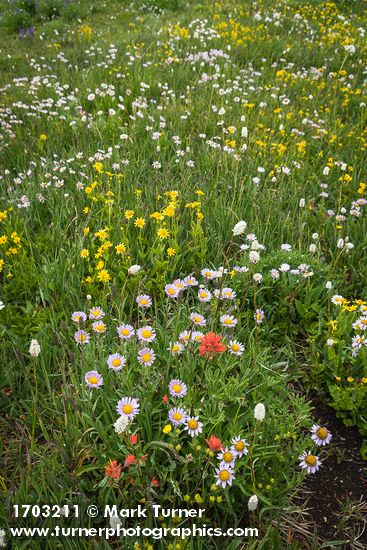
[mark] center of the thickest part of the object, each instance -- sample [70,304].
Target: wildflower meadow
[183,299]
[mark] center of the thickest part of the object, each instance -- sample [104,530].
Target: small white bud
[259,412]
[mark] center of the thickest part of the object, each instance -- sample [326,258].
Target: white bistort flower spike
[134,269]
[252,503]
[239,228]
[259,412]
[121,424]
[34,348]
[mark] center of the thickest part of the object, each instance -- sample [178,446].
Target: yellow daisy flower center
[224,475]
[310,460]
[144,301]
[228,457]
[228,321]
[146,357]
[125,332]
[175,348]
[322,433]
[177,388]
[95,313]
[235,347]
[177,416]
[99,328]
[146,333]
[171,291]
[192,424]
[81,337]
[93,379]
[239,446]
[116,362]
[127,408]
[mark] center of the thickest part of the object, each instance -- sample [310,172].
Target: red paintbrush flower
[210,344]
[129,460]
[133,439]
[165,399]
[113,470]
[155,482]
[214,443]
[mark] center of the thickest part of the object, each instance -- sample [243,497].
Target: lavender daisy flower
[228,321]
[309,462]
[116,361]
[99,326]
[146,356]
[176,348]
[172,291]
[129,407]
[146,334]
[177,388]
[228,457]
[144,300]
[125,332]
[193,426]
[185,336]
[320,435]
[82,337]
[198,319]
[204,295]
[177,416]
[239,446]
[235,347]
[259,316]
[79,317]
[96,313]
[190,281]
[93,379]
[228,294]
[224,475]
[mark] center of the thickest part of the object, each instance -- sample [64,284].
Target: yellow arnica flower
[104,276]
[139,222]
[128,214]
[120,248]
[84,253]
[157,216]
[163,233]
[171,251]
[167,429]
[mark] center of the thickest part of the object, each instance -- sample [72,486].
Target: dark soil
[342,478]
